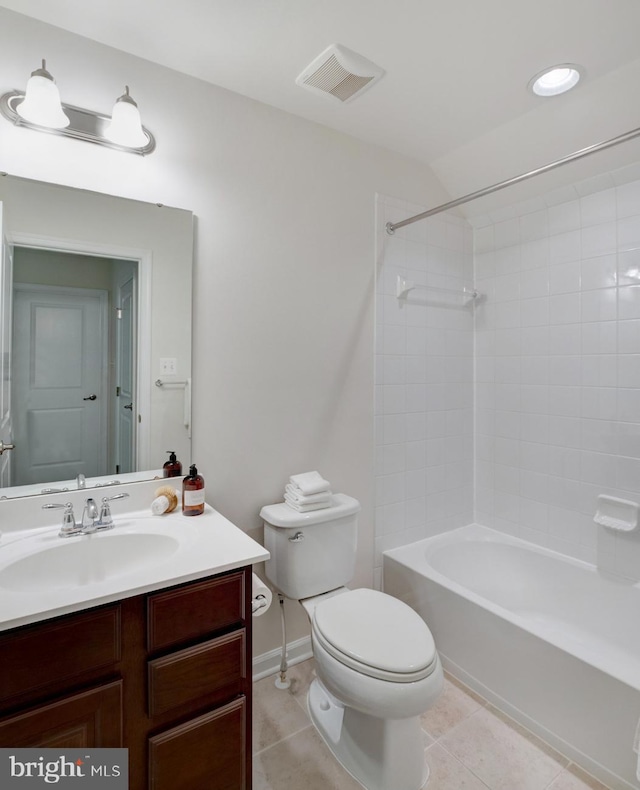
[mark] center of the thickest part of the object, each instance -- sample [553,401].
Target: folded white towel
[296,494]
[310,483]
[304,508]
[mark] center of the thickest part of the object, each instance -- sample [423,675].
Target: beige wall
[284,273]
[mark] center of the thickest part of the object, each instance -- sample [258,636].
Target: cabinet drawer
[206,752]
[46,655]
[91,718]
[202,675]
[194,611]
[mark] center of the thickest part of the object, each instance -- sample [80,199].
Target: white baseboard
[269,663]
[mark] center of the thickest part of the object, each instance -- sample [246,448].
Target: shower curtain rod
[591,149]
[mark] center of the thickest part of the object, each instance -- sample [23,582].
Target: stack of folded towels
[307,491]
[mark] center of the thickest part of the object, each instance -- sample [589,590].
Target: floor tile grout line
[533,737]
[303,706]
[458,760]
[557,776]
[462,762]
[582,770]
[438,738]
[282,740]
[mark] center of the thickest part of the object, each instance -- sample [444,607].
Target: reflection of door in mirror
[6,429]
[65,364]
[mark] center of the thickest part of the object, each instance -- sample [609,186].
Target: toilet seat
[376,635]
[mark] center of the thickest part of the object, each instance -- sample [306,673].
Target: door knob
[129,406]
[91,397]
[4,447]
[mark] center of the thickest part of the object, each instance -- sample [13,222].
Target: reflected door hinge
[117,392]
[118,313]
[117,468]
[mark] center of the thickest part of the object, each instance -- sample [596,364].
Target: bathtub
[547,639]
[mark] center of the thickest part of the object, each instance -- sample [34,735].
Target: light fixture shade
[41,104]
[126,127]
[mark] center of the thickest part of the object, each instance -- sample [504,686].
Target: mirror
[95,337]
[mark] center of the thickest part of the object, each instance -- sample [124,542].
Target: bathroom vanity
[163,669]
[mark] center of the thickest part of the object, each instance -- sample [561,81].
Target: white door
[6,287]
[126,412]
[59,387]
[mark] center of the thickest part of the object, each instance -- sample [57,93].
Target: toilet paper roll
[261,596]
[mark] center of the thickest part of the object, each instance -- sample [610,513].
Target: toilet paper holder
[259,602]
[261,596]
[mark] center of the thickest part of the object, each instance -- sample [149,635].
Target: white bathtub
[546,638]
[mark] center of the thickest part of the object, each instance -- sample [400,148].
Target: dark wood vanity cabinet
[167,675]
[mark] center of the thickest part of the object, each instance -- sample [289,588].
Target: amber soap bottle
[193,493]
[172,467]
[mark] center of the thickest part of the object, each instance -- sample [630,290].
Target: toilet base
[381,754]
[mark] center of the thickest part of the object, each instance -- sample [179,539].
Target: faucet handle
[106,519]
[69,526]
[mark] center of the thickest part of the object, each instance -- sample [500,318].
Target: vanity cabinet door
[89,719]
[206,753]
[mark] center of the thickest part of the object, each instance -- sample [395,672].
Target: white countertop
[208,544]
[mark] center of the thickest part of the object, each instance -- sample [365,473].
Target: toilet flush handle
[297,537]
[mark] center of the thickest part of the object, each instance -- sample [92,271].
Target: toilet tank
[313,552]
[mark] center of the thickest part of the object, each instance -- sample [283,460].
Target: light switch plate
[168,366]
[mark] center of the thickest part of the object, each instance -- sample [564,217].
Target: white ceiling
[454,95]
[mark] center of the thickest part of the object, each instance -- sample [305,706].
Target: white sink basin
[88,559]
[43,575]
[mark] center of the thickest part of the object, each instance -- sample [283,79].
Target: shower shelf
[404,286]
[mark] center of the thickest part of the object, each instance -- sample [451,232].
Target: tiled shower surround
[541,376]
[424,378]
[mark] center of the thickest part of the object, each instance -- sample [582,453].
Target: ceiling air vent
[340,73]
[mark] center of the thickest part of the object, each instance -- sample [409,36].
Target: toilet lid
[373,631]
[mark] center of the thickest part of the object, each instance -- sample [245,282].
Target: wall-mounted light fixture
[40,108]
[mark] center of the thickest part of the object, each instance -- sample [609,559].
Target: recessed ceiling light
[555,80]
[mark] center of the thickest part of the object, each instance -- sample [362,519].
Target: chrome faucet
[92,519]
[90,516]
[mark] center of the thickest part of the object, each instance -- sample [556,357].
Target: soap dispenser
[193,493]
[172,467]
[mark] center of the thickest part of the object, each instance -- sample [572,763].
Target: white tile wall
[424,378]
[558,370]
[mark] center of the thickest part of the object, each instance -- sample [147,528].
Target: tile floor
[469,745]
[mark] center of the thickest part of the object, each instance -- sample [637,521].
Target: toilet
[377,668]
